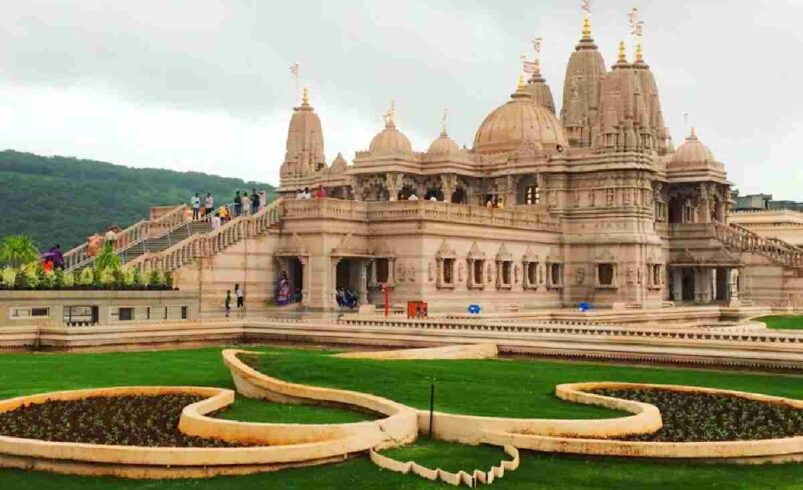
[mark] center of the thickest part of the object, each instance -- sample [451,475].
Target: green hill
[64,200]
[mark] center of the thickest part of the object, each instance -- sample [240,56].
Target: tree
[17,250]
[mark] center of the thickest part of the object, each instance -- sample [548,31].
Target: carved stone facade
[592,206]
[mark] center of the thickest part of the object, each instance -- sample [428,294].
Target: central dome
[520,120]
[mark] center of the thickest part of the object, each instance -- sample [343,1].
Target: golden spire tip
[639,52]
[622,52]
[305,96]
[587,27]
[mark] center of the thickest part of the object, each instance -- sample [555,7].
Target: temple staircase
[141,236]
[202,243]
[739,239]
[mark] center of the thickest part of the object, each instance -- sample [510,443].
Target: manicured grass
[249,410]
[522,388]
[500,387]
[785,322]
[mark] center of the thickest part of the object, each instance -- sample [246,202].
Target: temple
[547,209]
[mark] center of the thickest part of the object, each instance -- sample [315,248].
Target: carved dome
[520,120]
[390,140]
[692,151]
[443,145]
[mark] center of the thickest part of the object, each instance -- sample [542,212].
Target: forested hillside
[64,200]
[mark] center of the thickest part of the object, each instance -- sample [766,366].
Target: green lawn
[522,388]
[784,322]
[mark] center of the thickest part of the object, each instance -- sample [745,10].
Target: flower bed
[143,420]
[702,417]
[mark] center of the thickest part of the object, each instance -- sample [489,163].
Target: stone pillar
[733,287]
[702,284]
[362,288]
[329,293]
[677,284]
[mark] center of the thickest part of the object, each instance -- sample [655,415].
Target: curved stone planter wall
[784,449]
[461,477]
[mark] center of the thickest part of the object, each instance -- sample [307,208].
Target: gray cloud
[730,66]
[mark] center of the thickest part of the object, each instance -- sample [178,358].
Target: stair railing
[136,234]
[211,243]
[744,240]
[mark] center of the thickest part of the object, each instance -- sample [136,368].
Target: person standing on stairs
[227,302]
[254,201]
[209,204]
[246,205]
[240,294]
[196,207]
[238,204]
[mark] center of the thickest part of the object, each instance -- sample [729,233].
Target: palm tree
[17,250]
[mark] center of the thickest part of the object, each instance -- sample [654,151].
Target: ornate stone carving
[516,273]
[580,275]
[400,271]
[411,273]
[430,271]
[631,275]
[461,271]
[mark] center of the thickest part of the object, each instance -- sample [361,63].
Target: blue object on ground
[474,309]
[584,306]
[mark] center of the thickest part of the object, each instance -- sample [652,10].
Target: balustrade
[203,245]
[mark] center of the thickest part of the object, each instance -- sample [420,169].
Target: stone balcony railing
[385,211]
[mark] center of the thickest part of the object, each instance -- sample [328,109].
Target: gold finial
[443,122]
[390,114]
[639,53]
[305,96]
[521,83]
[622,52]
[587,27]
[693,135]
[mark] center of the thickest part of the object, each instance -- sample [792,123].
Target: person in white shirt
[246,204]
[196,206]
[306,194]
[433,198]
[240,294]
[412,197]
[209,204]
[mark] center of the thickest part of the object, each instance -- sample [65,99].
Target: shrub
[16,250]
[108,259]
[9,276]
[86,277]
[104,278]
[128,278]
[169,280]
[47,280]
[58,279]
[156,279]
[69,279]
[139,281]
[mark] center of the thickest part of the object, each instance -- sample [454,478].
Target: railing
[376,211]
[131,236]
[208,244]
[744,240]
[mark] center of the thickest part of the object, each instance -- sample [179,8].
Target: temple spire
[639,53]
[622,53]
[305,97]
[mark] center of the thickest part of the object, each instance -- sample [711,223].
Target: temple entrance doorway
[295,274]
[688,284]
[351,285]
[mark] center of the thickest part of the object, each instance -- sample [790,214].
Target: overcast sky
[205,85]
